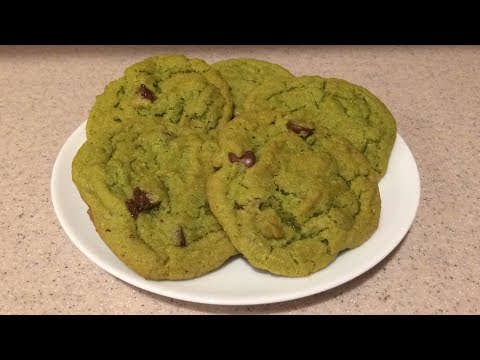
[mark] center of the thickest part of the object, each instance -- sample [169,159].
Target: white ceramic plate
[236,282]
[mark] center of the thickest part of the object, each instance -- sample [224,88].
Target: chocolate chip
[181,238]
[146,93]
[139,203]
[300,130]
[248,159]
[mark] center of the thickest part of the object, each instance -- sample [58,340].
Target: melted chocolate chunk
[139,203]
[300,130]
[146,93]
[181,238]
[248,159]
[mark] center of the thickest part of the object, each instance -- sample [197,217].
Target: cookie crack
[282,91]
[370,141]
[315,233]
[338,102]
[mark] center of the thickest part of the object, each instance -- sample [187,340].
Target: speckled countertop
[433,92]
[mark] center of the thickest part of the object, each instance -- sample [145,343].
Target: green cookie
[346,109]
[144,184]
[244,75]
[291,196]
[171,88]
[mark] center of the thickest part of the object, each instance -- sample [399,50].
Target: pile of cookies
[188,164]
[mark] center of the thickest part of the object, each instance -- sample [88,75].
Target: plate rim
[149,285]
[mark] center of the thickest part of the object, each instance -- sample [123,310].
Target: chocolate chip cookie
[291,194]
[144,183]
[344,108]
[172,88]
